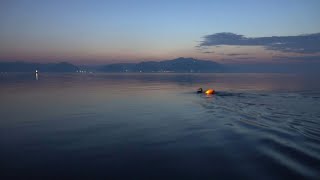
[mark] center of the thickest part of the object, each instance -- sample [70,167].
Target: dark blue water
[153,126]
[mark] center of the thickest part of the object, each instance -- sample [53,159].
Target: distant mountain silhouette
[175,65]
[179,65]
[31,67]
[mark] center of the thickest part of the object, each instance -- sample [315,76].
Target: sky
[103,31]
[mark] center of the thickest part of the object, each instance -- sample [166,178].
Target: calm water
[148,126]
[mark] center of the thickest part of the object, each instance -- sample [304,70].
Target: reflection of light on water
[37,75]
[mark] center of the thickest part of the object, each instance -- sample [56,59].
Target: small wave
[290,155]
[228,94]
[285,115]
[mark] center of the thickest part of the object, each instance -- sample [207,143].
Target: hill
[31,67]
[175,65]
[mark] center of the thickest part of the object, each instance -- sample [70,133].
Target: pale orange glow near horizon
[222,54]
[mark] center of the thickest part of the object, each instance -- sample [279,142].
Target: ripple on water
[297,159]
[285,127]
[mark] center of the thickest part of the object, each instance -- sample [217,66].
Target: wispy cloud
[307,43]
[208,52]
[310,58]
[237,54]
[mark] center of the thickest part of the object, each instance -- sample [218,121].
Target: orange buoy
[210,91]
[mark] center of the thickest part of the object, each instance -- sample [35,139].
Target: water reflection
[219,82]
[37,75]
[156,125]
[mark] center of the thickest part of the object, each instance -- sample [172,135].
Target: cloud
[208,52]
[307,43]
[310,58]
[237,54]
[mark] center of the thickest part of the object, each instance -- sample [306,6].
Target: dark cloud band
[309,43]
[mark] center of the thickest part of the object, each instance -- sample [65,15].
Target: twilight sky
[97,32]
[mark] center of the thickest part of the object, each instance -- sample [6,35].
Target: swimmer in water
[207,92]
[199,91]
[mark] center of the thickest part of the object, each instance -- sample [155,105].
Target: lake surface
[154,126]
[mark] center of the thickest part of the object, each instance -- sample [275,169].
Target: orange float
[209,91]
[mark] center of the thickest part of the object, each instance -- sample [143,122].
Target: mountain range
[176,65]
[32,67]
[179,65]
